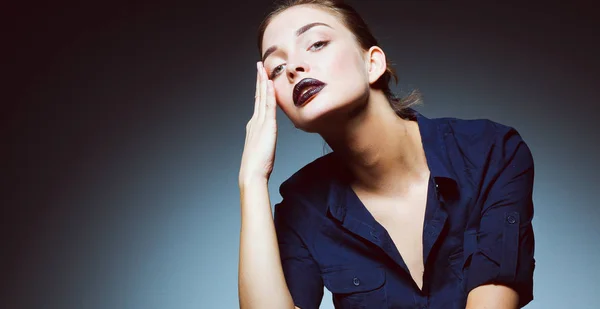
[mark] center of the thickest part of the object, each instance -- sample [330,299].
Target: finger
[248,131]
[257,91]
[258,97]
[263,92]
[271,103]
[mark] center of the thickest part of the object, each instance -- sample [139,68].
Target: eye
[276,71]
[317,46]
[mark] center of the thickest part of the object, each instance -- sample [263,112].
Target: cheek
[281,94]
[283,97]
[346,66]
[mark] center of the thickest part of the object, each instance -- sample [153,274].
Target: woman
[406,212]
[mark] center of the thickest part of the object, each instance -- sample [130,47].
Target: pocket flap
[354,280]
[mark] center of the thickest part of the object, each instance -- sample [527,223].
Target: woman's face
[328,52]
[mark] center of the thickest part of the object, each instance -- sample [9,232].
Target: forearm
[261,282]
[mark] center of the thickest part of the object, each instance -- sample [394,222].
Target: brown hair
[365,39]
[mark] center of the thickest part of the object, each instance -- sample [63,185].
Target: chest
[402,216]
[403,219]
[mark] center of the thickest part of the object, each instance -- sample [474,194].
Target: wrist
[253,181]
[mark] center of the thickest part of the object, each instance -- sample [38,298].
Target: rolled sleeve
[505,240]
[301,272]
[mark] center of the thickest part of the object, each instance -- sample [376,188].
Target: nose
[295,69]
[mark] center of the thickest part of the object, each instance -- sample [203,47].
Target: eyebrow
[299,32]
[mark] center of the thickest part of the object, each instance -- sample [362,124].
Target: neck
[382,151]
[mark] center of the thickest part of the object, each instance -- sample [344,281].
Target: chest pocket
[360,287]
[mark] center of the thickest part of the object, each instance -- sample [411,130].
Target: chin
[323,111]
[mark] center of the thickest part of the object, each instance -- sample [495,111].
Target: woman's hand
[261,132]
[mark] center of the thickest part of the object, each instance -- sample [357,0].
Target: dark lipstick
[305,89]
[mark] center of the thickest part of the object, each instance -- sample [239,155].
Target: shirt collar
[433,135]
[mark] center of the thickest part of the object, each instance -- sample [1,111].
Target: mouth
[306,89]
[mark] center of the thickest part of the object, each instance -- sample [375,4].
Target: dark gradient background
[123,127]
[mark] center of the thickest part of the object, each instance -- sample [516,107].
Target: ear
[376,63]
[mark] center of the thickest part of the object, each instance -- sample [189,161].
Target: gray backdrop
[122,142]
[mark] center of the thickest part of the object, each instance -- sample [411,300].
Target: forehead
[284,25]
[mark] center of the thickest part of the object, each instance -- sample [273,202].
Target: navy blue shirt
[477,227]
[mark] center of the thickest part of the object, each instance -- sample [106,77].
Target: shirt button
[355,281]
[511,219]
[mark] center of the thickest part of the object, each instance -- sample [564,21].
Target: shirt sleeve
[302,273]
[505,240]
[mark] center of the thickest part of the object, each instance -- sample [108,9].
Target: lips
[305,89]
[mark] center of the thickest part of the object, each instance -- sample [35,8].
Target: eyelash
[274,73]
